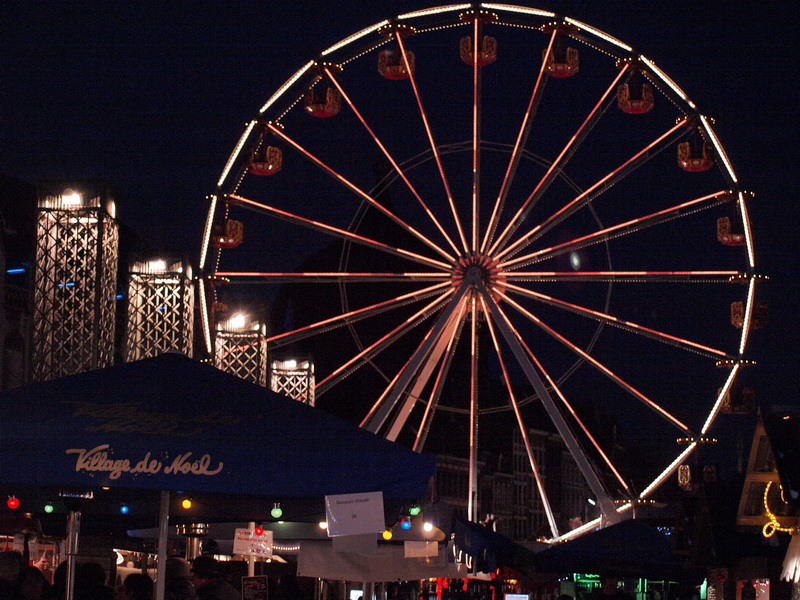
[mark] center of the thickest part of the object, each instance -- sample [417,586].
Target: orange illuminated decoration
[635,98]
[228,235]
[487,52]
[730,231]
[390,62]
[562,61]
[758,320]
[696,155]
[486,55]
[265,161]
[685,477]
[322,101]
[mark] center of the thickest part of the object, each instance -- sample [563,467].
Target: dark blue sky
[153,95]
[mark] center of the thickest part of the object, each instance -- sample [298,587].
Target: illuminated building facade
[77,246]
[160,308]
[240,348]
[293,377]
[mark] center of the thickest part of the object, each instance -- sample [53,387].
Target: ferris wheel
[484,211]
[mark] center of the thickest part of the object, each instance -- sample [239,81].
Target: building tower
[293,377]
[77,246]
[160,308]
[240,348]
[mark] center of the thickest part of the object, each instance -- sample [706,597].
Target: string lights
[791,563]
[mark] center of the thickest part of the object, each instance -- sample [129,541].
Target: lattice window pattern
[294,379]
[160,309]
[74,291]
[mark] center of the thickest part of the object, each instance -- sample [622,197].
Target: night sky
[153,96]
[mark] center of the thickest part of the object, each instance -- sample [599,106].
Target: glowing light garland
[434,11]
[354,37]
[602,35]
[791,564]
[286,86]
[718,147]
[748,234]
[665,78]
[235,153]
[519,9]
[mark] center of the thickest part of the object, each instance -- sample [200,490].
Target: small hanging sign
[351,514]
[247,543]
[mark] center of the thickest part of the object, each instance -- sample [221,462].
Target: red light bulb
[13,502]
[259,531]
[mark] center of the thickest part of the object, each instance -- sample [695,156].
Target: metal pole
[73,531]
[163,535]
[251,559]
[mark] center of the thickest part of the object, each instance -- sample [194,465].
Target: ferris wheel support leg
[604,501]
[376,419]
[433,402]
[523,431]
[434,358]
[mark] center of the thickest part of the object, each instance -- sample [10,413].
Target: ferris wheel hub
[478,268]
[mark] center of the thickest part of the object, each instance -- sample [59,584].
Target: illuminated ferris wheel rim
[606,43]
[487,272]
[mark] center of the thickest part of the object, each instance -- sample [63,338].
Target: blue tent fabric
[172,423]
[631,548]
[489,550]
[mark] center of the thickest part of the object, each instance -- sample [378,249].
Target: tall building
[240,348]
[160,308]
[293,377]
[77,246]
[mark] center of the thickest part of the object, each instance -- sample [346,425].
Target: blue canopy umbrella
[171,423]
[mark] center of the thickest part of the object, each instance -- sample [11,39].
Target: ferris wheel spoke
[625,325]
[624,385]
[433,401]
[334,231]
[358,191]
[523,430]
[354,316]
[558,164]
[622,229]
[628,276]
[581,459]
[422,377]
[377,415]
[327,277]
[476,132]
[391,160]
[598,188]
[516,154]
[433,145]
[366,354]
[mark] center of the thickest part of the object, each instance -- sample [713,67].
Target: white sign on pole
[351,514]
[247,543]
